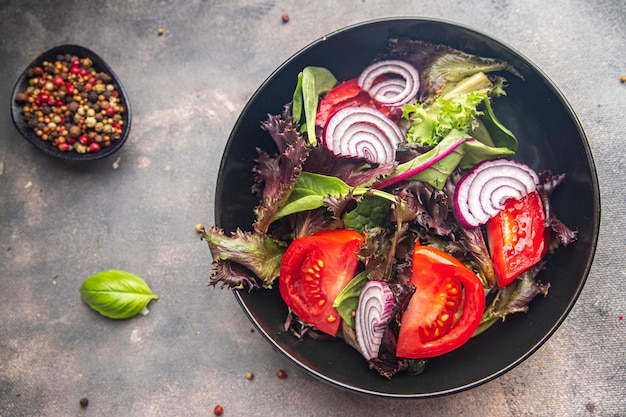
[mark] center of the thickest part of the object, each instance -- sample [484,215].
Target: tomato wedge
[446,308]
[313,272]
[516,237]
[343,95]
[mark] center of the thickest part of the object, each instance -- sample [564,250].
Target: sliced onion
[387,89]
[394,93]
[481,194]
[376,303]
[362,132]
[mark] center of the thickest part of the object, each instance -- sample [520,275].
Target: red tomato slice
[516,237]
[446,308]
[345,95]
[313,272]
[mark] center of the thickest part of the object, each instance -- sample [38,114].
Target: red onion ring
[362,132]
[406,71]
[387,88]
[376,303]
[481,194]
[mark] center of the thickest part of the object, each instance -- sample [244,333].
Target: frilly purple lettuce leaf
[547,184]
[430,206]
[309,222]
[276,175]
[375,253]
[514,298]
[379,253]
[235,255]
[296,326]
[353,171]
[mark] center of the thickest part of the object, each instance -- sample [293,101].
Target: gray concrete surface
[59,224]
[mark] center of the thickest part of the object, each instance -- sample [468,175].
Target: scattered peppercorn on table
[188,70]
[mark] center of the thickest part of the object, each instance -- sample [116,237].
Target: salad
[393,214]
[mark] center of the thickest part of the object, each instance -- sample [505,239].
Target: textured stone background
[60,224]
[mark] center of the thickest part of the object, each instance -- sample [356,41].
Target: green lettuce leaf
[429,125]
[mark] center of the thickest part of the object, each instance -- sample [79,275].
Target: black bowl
[550,137]
[46,146]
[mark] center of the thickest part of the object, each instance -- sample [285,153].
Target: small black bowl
[550,137]
[46,146]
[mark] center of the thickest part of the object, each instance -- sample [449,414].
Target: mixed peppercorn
[72,105]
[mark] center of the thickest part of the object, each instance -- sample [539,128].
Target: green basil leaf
[116,294]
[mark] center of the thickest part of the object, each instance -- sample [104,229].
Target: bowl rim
[45,146]
[588,156]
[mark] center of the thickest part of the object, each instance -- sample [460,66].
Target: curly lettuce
[430,124]
[244,260]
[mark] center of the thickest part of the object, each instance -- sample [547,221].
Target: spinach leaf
[116,294]
[370,212]
[500,135]
[348,299]
[296,104]
[453,150]
[309,192]
[312,82]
